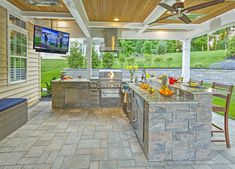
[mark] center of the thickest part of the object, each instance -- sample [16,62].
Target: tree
[231,47]
[148,47]
[131,61]
[108,60]
[75,59]
[122,60]
[95,59]
[161,48]
[199,43]
[148,59]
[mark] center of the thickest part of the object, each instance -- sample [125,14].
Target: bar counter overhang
[174,128]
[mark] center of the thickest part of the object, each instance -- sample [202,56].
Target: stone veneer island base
[175,128]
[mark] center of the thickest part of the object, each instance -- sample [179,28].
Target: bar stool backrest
[224,92]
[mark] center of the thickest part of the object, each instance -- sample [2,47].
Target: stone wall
[207,75]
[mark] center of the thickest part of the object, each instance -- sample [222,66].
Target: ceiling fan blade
[168,7]
[160,19]
[185,19]
[203,5]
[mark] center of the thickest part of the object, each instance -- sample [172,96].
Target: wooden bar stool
[224,92]
[196,81]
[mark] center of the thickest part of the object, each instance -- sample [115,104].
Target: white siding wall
[30,89]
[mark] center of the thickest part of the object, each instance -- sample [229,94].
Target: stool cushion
[7,103]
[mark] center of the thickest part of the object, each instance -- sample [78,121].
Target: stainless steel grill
[110,83]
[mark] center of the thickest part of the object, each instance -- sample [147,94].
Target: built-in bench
[13,114]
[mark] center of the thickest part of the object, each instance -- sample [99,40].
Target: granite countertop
[156,97]
[192,90]
[71,80]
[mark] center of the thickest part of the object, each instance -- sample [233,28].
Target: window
[17,50]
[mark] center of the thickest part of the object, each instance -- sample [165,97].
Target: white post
[89,57]
[186,59]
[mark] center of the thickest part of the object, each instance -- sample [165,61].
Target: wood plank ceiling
[206,13]
[24,6]
[125,10]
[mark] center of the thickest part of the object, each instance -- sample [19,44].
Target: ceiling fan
[178,10]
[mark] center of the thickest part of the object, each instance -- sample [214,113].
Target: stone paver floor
[97,138]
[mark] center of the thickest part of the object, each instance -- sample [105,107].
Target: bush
[161,48]
[131,61]
[95,59]
[75,59]
[231,47]
[108,60]
[122,60]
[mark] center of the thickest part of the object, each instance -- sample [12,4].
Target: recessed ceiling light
[116,19]
[168,12]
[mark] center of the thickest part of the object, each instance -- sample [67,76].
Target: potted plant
[132,70]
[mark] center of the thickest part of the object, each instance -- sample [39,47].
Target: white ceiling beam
[175,26]
[46,15]
[155,14]
[154,35]
[78,12]
[127,25]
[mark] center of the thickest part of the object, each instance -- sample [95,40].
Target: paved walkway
[91,139]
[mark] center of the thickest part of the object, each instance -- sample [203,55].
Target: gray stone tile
[201,167]
[99,154]
[111,164]
[94,165]
[220,166]
[10,158]
[68,149]
[75,162]
[35,151]
[28,160]
[97,139]
[89,143]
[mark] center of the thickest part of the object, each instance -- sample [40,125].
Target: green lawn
[198,59]
[51,68]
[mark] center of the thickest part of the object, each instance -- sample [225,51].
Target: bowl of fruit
[144,86]
[166,91]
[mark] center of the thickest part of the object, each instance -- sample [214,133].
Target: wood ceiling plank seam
[214,14]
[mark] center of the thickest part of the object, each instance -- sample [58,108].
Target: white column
[89,57]
[186,59]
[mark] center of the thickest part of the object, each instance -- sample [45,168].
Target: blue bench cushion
[7,103]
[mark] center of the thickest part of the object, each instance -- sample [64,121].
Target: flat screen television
[50,41]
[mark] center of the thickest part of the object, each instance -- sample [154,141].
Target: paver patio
[94,138]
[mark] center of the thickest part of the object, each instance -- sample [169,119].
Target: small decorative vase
[131,77]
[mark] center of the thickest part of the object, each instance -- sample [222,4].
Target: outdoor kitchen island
[172,128]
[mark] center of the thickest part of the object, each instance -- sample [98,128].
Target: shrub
[108,60]
[75,59]
[231,47]
[122,60]
[95,59]
[161,48]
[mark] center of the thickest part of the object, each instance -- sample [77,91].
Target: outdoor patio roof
[134,17]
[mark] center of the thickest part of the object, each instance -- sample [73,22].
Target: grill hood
[110,41]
